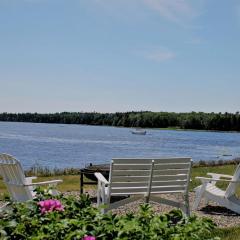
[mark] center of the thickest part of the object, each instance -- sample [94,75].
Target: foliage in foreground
[70,218]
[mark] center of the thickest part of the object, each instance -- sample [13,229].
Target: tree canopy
[193,120]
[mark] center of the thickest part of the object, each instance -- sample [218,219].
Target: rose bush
[71,218]
[50,205]
[89,238]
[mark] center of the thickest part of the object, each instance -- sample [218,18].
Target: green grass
[72,182]
[202,171]
[232,233]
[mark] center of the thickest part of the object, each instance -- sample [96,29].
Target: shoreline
[147,128]
[46,171]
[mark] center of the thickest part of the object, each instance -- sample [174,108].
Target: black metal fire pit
[89,171]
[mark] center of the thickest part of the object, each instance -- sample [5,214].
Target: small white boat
[139,132]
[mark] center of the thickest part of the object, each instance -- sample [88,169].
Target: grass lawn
[228,233]
[72,183]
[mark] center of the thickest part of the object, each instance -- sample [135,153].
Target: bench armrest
[101,178]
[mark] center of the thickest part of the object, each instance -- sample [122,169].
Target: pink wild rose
[50,205]
[89,238]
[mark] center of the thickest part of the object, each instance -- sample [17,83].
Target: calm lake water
[60,145]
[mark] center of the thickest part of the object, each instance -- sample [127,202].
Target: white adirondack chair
[145,178]
[210,191]
[19,187]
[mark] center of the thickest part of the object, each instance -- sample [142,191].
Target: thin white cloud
[158,54]
[174,10]
[181,12]
[196,41]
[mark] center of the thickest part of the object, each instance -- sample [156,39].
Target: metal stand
[82,182]
[89,171]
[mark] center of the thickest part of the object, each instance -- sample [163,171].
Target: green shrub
[79,219]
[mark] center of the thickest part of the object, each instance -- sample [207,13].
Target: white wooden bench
[145,178]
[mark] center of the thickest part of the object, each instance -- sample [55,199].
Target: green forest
[192,120]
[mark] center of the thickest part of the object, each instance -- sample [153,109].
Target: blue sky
[119,55]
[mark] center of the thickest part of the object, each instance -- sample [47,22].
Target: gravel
[220,215]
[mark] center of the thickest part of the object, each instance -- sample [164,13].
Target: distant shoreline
[228,122]
[147,128]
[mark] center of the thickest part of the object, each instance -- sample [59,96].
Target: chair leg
[101,200]
[98,198]
[197,201]
[199,194]
[206,201]
[233,206]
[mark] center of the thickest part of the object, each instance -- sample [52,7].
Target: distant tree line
[193,120]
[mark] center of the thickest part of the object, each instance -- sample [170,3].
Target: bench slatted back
[171,175]
[129,176]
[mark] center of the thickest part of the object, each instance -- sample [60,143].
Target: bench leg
[187,208]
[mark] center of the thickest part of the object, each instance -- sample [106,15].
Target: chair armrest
[101,178]
[29,179]
[43,183]
[204,179]
[217,175]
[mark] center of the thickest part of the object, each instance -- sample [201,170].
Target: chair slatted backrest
[231,189]
[14,178]
[149,175]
